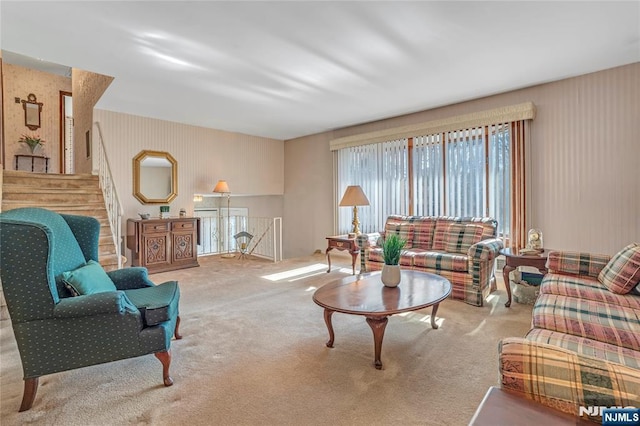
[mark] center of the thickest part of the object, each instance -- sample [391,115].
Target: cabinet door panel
[155,249]
[184,247]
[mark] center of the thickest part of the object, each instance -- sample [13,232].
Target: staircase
[69,194]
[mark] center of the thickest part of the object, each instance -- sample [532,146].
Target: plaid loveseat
[463,250]
[583,349]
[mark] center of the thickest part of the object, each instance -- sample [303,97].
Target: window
[382,172]
[468,165]
[452,173]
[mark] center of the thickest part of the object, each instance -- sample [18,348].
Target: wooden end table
[365,295]
[513,259]
[343,242]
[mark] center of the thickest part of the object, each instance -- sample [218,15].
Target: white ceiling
[287,69]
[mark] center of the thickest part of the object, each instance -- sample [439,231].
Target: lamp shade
[353,196]
[222,187]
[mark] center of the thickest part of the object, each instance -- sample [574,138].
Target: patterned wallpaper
[88,87]
[19,82]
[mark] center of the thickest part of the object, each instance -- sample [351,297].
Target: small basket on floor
[525,287]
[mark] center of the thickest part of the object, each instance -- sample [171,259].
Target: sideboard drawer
[155,227]
[180,226]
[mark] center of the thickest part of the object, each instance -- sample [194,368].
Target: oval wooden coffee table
[366,295]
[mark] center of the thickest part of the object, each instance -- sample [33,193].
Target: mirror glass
[32,110]
[155,177]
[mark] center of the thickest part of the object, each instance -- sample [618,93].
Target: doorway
[66,133]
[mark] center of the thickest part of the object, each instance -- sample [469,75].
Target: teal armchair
[57,330]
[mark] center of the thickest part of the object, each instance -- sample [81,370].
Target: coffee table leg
[434,309]
[327,320]
[377,326]
[505,276]
[354,256]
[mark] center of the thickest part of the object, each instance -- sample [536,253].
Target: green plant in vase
[32,141]
[391,251]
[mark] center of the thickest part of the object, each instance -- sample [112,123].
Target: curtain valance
[523,111]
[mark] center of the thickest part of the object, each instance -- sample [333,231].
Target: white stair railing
[110,194]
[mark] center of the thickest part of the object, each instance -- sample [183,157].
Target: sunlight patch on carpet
[478,329]
[344,271]
[418,317]
[491,297]
[296,273]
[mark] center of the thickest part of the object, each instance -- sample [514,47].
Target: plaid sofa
[463,250]
[583,349]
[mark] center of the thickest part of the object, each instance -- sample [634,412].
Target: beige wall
[585,156]
[18,83]
[253,166]
[88,87]
[308,200]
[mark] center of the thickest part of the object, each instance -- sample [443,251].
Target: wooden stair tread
[78,194]
[21,188]
[21,173]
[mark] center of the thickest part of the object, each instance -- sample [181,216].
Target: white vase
[390,275]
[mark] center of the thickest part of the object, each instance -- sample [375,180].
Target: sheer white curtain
[499,176]
[394,181]
[470,178]
[465,173]
[381,170]
[428,173]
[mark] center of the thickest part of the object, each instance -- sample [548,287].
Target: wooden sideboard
[164,244]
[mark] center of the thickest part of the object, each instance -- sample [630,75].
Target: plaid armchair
[56,330]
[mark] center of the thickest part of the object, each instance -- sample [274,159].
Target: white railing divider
[277,227]
[266,242]
[110,193]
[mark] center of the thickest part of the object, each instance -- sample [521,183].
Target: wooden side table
[513,259]
[33,158]
[343,242]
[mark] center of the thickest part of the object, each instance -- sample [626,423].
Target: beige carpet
[254,353]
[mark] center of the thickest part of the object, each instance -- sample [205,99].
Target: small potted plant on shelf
[33,141]
[391,251]
[164,212]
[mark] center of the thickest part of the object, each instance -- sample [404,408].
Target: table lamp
[353,196]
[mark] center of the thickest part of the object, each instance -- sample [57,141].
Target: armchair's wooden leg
[29,395]
[177,331]
[165,359]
